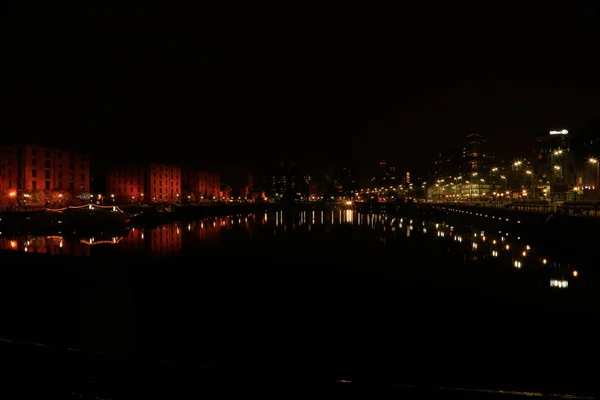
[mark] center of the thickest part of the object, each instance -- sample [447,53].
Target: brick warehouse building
[205,185]
[144,183]
[28,168]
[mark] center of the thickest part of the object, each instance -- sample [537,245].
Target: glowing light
[575,273]
[507,247]
[13,244]
[494,241]
[559,284]
[517,264]
[524,253]
[544,261]
[561,132]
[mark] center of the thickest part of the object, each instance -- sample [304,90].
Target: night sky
[235,89]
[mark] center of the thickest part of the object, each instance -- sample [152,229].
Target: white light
[562,132]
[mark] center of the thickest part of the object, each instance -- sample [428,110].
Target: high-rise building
[554,162]
[145,183]
[444,166]
[346,179]
[25,168]
[473,153]
[284,180]
[388,174]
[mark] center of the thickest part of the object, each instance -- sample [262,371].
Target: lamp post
[530,173]
[594,161]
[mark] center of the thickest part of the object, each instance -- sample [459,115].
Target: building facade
[127,184]
[205,185]
[554,162]
[29,168]
[156,183]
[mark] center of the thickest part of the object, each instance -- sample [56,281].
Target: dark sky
[243,88]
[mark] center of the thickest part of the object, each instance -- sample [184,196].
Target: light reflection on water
[170,239]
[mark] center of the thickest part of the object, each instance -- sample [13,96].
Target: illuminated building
[315,190]
[473,155]
[205,185]
[445,167]
[145,183]
[225,192]
[30,168]
[387,174]
[284,180]
[127,184]
[554,163]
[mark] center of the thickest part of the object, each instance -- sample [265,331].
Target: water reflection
[504,250]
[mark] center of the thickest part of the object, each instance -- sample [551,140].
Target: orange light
[13,244]
[575,273]
[12,194]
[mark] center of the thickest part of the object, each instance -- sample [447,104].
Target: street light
[594,161]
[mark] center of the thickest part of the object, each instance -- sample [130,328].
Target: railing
[88,206]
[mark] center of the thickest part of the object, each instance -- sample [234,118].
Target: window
[82,158]
[114,182]
[83,177]
[10,184]
[155,181]
[160,176]
[71,176]
[47,185]
[71,185]
[71,157]
[9,172]
[71,166]
[48,153]
[59,155]
[82,166]
[34,162]
[34,185]
[131,190]
[160,190]
[60,166]
[33,173]
[33,152]
[60,185]
[59,175]
[131,181]
[47,174]
[47,163]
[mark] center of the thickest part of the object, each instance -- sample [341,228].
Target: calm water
[487,246]
[331,293]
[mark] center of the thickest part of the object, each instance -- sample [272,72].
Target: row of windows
[34,185]
[175,176]
[160,183]
[59,154]
[47,165]
[139,190]
[139,182]
[164,169]
[60,175]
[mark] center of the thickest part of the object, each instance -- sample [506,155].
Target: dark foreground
[323,307]
[297,329]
